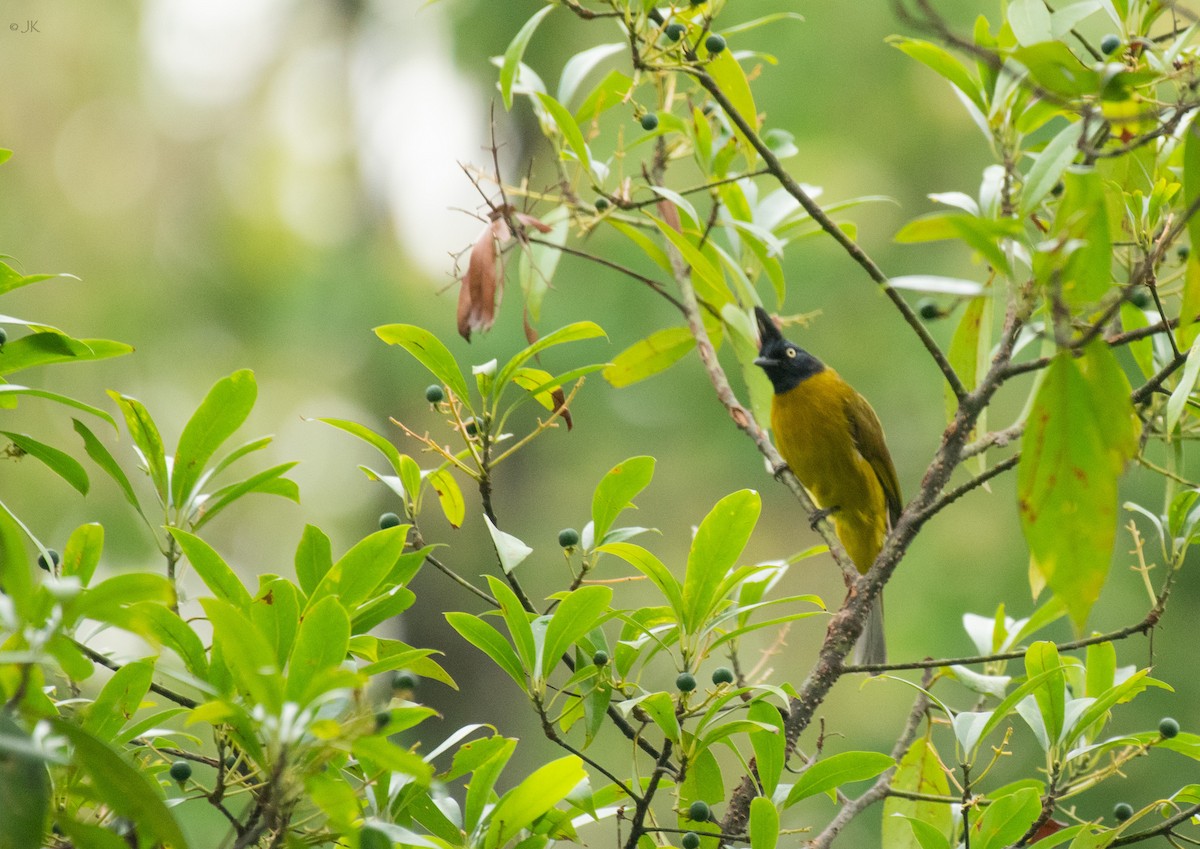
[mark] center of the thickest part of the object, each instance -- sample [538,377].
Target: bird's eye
[791,352]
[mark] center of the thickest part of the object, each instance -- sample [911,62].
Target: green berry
[928,309]
[1110,43]
[1168,727]
[49,565]
[1122,811]
[691,840]
[230,761]
[568,537]
[699,812]
[714,44]
[181,771]
[405,680]
[722,675]
[602,203]
[686,682]
[1058,188]
[675,31]
[600,658]
[649,122]
[1182,252]
[388,520]
[434,393]
[374,837]
[1140,298]
[471,426]
[3,336]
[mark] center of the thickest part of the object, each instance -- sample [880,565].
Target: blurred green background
[258,183]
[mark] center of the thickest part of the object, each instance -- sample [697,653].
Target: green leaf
[1123,692]
[321,645]
[104,601]
[1081,432]
[449,495]
[1101,668]
[47,347]
[718,543]
[518,621]
[81,554]
[490,641]
[1051,694]
[511,551]
[1030,22]
[571,333]
[926,835]
[580,65]
[943,64]
[514,53]
[1006,819]
[168,629]
[24,787]
[428,349]
[706,277]
[59,462]
[769,747]
[644,243]
[1183,390]
[920,771]
[647,357]
[11,279]
[212,569]
[616,491]
[12,389]
[314,558]
[609,92]
[533,797]
[652,568]
[579,612]
[360,570]
[764,823]
[127,790]
[539,261]
[731,79]
[222,412]
[103,458]
[1058,153]
[147,440]
[269,482]
[387,756]
[119,699]
[826,775]
[483,780]
[569,129]
[982,235]
[1077,254]
[246,652]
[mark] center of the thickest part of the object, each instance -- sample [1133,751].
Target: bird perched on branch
[833,442]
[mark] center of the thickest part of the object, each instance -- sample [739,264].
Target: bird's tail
[871,647]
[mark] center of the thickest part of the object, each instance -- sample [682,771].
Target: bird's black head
[786,364]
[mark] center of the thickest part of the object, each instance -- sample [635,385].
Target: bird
[833,442]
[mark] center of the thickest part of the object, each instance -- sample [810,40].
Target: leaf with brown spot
[1081,432]
[483,284]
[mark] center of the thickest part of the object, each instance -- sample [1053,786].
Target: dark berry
[3,336]
[675,31]
[1110,43]
[600,658]
[649,122]
[388,520]
[50,564]
[691,840]
[1122,811]
[1140,298]
[382,720]
[1168,727]
[405,680]
[568,537]
[928,309]
[699,812]
[601,204]
[686,682]
[1182,252]
[181,771]
[471,426]
[722,675]
[230,761]
[714,44]
[434,393]
[1058,188]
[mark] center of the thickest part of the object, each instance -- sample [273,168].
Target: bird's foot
[817,516]
[777,471]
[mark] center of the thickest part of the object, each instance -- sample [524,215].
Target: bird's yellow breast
[815,435]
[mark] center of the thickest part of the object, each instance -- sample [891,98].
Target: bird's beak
[766,362]
[766,326]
